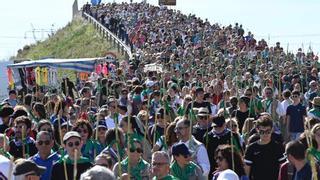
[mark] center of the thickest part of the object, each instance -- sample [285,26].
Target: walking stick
[312,160]
[75,164]
[60,136]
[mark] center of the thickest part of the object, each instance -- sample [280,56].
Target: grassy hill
[78,39]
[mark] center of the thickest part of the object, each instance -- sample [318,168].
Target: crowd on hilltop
[219,104]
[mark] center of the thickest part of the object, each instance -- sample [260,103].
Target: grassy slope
[78,39]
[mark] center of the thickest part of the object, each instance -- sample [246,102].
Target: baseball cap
[101,123]
[180,148]
[71,134]
[26,166]
[218,121]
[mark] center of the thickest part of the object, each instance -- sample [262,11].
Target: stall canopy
[80,65]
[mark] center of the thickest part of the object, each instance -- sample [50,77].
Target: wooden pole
[75,164]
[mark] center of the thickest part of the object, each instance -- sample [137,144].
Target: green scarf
[184,173]
[314,152]
[5,153]
[67,159]
[136,170]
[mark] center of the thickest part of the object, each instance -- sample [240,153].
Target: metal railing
[122,47]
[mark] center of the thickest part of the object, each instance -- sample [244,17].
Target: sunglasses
[138,150]
[76,144]
[248,94]
[47,142]
[265,132]
[82,131]
[219,158]
[295,96]
[202,117]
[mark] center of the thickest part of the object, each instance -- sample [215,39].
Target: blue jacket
[48,163]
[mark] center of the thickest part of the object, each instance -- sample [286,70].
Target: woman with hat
[182,166]
[315,111]
[134,166]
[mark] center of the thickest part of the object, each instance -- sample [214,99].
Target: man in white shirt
[200,154]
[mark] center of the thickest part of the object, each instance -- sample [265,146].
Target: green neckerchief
[90,145]
[168,177]
[236,144]
[315,111]
[135,171]
[121,150]
[67,159]
[180,111]
[184,173]
[5,153]
[268,103]
[314,152]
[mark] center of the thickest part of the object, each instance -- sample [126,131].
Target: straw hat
[316,101]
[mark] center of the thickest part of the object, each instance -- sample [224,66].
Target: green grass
[78,39]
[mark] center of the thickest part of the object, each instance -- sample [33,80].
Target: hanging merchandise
[30,76]
[83,76]
[99,69]
[52,77]
[38,75]
[17,79]
[44,76]
[10,78]
[105,69]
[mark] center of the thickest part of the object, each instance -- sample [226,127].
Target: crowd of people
[221,105]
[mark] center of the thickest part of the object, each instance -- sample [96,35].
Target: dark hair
[42,123]
[39,107]
[12,92]
[296,149]
[265,121]
[134,124]
[111,135]
[286,93]
[82,123]
[295,93]
[23,119]
[171,136]
[28,99]
[226,153]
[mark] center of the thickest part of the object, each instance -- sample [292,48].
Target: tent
[79,65]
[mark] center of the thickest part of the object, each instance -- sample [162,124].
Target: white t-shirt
[228,174]
[5,167]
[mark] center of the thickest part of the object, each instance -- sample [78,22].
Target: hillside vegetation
[78,39]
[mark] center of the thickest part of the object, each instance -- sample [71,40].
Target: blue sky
[292,22]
